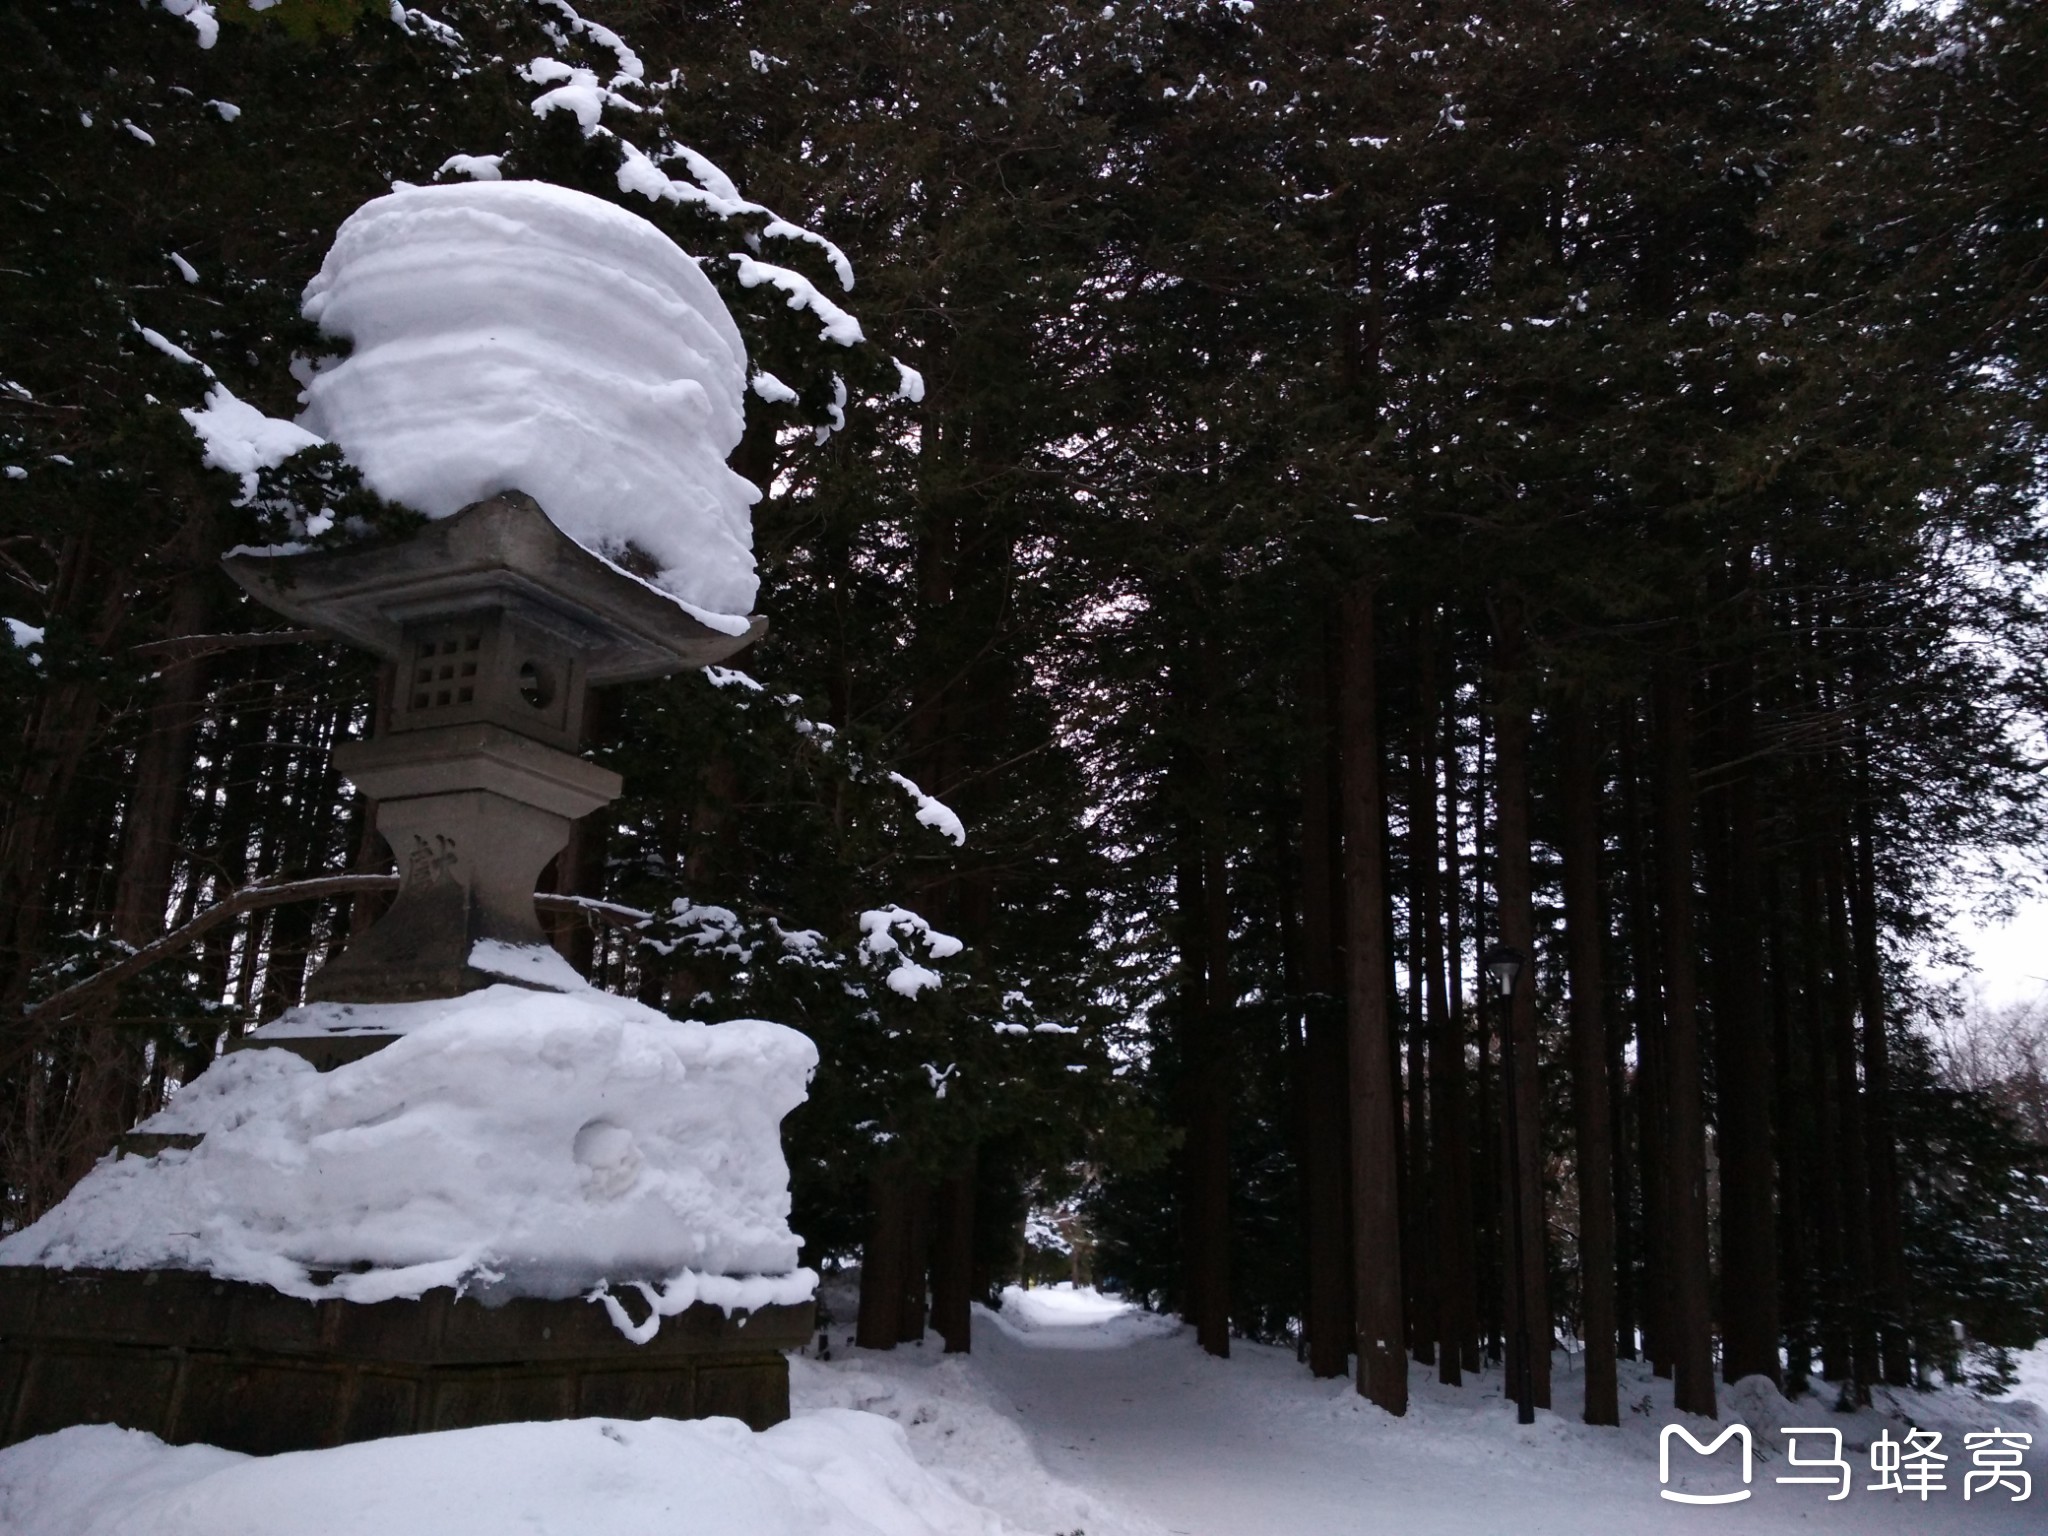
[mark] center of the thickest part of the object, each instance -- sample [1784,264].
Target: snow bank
[2033,1373]
[517,335]
[523,1142]
[832,1473]
[1066,1316]
[962,1433]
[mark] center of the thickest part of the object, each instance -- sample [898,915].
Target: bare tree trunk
[1621,1163]
[885,1256]
[1792,1102]
[1586,932]
[317,790]
[953,1258]
[1823,1083]
[162,768]
[371,855]
[1489,1191]
[1627,1244]
[106,1095]
[1419,1197]
[1449,1236]
[1375,1166]
[1887,1242]
[1461,1269]
[917,1231]
[1691,1317]
[1518,932]
[1742,1052]
[1325,1111]
[1652,1127]
[1205,1155]
[65,721]
[1853,1166]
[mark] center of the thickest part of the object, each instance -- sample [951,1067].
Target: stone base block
[193,1359]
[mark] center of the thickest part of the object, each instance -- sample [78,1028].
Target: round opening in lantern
[536,684]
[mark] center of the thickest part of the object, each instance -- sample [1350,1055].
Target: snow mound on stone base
[529,1141]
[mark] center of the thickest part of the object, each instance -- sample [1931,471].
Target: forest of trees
[1390,483]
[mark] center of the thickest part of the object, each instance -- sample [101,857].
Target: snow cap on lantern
[515,335]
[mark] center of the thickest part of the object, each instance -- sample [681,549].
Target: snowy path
[1167,1440]
[1250,1446]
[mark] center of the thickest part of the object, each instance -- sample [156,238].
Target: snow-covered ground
[825,1474]
[1138,1433]
[2034,1376]
[1075,1416]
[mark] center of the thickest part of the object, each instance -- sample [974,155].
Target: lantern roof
[502,553]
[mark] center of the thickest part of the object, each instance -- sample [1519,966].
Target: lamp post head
[1504,965]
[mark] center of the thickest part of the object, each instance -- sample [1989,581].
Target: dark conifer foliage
[1387,484]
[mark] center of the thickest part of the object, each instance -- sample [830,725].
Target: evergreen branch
[253,898]
[192,647]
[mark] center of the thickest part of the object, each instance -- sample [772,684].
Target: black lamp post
[1504,965]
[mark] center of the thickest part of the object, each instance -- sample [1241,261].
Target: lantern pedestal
[473,813]
[192,1359]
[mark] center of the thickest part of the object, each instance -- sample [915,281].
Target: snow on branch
[639,173]
[239,438]
[475,167]
[677,1294]
[200,14]
[242,440]
[630,66]
[576,90]
[412,23]
[170,348]
[933,812]
[880,931]
[732,677]
[782,229]
[837,324]
[710,177]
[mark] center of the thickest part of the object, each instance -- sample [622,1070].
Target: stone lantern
[460,1186]
[493,625]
